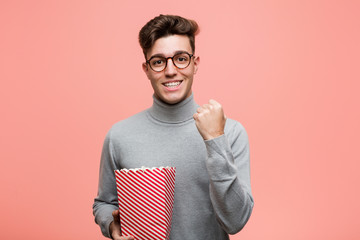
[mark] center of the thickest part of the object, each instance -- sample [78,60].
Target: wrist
[213,135]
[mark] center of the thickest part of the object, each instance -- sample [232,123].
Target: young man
[211,153]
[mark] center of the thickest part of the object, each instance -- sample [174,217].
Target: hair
[165,25]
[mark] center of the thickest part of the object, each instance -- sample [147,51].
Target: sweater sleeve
[228,167]
[106,201]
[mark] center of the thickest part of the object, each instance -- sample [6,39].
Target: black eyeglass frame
[172,59]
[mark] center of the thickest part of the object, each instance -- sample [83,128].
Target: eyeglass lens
[180,60]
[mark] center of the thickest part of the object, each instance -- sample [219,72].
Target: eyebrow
[162,55]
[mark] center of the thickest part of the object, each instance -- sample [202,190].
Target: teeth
[172,84]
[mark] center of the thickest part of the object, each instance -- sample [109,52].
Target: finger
[116,215]
[117,237]
[200,109]
[213,102]
[198,116]
[208,106]
[127,238]
[203,112]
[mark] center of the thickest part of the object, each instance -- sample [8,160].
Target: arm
[106,201]
[229,172]
[105,207]
[228,167]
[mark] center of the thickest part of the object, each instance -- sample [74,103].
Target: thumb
[129,238]
[116,216]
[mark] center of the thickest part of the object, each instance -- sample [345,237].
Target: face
[172,85]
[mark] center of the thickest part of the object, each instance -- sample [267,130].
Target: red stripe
[143,225]
[149,180]
[140,180]
[130,196]
[149,206]
[145,185]
[130,229]
[127,222]
[144,229]
[146,200]
[142,208]
[168,207]
[154,197]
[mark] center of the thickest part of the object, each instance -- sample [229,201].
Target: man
[211,153]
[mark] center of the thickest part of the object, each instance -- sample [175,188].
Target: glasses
[180,60]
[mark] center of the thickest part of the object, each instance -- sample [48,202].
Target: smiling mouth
[172,84]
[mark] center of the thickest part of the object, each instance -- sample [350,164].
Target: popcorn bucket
[146,197]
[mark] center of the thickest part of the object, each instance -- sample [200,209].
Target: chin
[172,100]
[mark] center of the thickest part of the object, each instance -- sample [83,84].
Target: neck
[173,113]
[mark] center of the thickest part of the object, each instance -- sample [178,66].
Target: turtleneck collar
[173,113]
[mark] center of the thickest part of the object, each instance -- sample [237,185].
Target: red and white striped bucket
[146,197]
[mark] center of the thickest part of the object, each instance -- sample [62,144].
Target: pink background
[288,70]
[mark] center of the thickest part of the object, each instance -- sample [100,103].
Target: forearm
[103,215]
[230,190]
[106,201]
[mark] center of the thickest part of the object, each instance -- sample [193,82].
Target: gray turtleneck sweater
[212,187]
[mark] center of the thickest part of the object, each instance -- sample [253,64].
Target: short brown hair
[165,25]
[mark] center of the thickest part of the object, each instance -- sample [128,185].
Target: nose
[170,69]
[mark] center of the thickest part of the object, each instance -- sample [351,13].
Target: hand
[210,120]
[115,230]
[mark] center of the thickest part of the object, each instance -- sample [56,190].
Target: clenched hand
[210,120]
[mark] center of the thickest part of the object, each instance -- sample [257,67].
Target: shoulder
[127,126]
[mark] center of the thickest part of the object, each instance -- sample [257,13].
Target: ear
[145,69]
[196,63]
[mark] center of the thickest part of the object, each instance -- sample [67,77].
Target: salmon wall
[287,70]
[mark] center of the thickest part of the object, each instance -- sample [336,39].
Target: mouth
[172,84]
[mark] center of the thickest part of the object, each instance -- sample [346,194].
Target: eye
[181,58]
[157,61]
